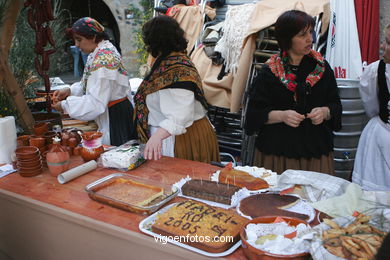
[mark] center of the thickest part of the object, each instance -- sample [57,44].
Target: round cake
[261,205]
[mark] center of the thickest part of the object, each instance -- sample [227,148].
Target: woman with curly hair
[294,104]
[170,105]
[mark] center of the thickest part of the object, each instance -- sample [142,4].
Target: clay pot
[72,142]
[64,139]
[91,154]
[57,159]
[41,128]
[73,133]
[254,253]
[37,142]
[77,150]
[92,146]
[23,140]
[49,136]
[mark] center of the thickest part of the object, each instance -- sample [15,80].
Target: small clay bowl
[26,152]
[27,164]
[32,159]
[29,169]
[41,128]
[23,140]
[37,141]
[24,173]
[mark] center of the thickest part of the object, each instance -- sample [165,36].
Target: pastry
[209,190]
[208,228]
[260,205]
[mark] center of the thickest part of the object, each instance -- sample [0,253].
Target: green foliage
[141,15]
[3,6]
[60,61]
[21,56]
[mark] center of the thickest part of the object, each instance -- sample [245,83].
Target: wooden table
[42,219]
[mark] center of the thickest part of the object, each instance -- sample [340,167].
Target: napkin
[354,199]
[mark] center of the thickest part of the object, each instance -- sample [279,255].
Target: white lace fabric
[234,30]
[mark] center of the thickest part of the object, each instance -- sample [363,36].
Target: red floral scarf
[279,67]
[176,67]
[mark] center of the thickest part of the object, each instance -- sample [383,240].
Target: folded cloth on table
[316,186]
[354,199]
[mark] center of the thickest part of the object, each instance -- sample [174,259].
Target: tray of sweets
[131,193]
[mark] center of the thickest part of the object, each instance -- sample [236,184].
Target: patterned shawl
[174,68]
[104,56]
[278,64]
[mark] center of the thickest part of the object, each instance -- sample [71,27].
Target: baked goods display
[200,223]
[270,205]
[241,179]
[209,190]
[130,191]
[358,240]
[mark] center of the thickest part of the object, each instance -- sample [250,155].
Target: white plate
[146,224]
[267,175]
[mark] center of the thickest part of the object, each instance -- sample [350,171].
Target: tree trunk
[6,75]
[16,93]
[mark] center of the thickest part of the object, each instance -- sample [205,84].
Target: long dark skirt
[279,164]
[122,127]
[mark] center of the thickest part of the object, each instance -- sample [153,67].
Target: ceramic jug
[92,145]
[57,158]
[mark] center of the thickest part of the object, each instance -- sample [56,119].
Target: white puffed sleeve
[369,89]
[178,107]
[76,89]
[93,103]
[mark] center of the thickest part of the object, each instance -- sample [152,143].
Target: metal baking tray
[95,187]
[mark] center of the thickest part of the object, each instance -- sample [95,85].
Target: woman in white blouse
[101,95]
[372,162]
[170,105]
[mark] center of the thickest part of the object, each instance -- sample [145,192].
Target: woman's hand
[291,118]
[319,115]
[60,95]
[153,148]
[57,106]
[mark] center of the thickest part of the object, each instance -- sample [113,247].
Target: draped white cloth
[343,48]
[372,161]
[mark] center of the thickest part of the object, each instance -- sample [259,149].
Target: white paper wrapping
[7,138]
[125,157]
[76,172]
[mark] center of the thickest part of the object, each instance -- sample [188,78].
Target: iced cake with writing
[208,228]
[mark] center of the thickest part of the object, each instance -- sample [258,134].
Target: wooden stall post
[6,75]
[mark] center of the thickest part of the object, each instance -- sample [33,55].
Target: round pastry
[260,205]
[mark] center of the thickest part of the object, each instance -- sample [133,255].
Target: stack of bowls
[28,161]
